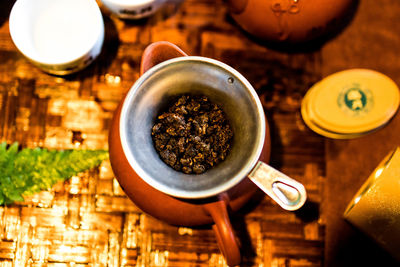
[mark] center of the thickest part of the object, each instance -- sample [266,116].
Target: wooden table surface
[88,220]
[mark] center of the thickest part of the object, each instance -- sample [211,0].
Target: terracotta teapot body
[291,21]
[181,211]
[207,198]
[175,211]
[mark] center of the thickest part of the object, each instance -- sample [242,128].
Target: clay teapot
[291,21]
[193,200]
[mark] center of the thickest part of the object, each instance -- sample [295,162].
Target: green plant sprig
[28,171]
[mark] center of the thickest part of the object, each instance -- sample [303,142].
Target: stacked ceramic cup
[64,36]
[134,9]
[58,36]
[350,103]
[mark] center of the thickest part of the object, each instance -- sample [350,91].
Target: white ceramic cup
[133,9]
[58,36]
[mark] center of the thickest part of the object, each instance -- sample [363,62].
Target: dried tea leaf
[193,135]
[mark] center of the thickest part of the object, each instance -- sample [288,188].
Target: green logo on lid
[355,100]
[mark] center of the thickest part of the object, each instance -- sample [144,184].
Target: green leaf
[27,171]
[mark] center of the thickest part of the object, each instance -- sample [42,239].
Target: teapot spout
[237,6]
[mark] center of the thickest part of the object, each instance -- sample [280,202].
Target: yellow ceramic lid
[317,128]
[350,103]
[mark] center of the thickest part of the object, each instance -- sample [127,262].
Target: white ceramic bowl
[58,36]
[133,9]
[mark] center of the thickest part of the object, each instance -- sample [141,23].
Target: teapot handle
[158,52]
[227,241]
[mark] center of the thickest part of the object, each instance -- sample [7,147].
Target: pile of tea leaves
[193,135]
[24,172]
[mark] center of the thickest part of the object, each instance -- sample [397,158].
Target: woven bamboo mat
[88,220]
